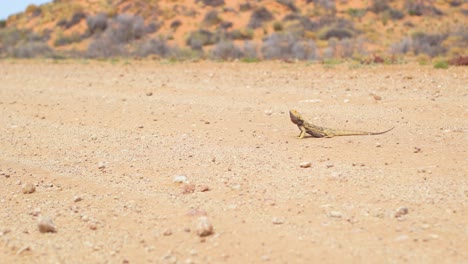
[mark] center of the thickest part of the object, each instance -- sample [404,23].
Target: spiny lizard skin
[320,132]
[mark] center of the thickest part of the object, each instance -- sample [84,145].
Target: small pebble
[335,214]
[28,188]
[167,232]
[188,188]
[101,165]
[204,227]
[46,225]
[204,188]
[268,112]
[305,164]
[277,221]
[180,179]
[149,93]
[401,212]
[77,199]
[417,150]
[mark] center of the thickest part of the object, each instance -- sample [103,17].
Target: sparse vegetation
[97,23]
[225,50]
[211,18]
[441,64]
[63,40]
[213,3]
[299,29]
[156,46]
[288,46]
[260,16]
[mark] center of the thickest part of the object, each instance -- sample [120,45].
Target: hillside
[269,29]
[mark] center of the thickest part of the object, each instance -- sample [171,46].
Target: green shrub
[441,64]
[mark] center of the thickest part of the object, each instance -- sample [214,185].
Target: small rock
[376,97]
[149,93]
[46,225]
[204,188]
[77,199]
[402,238]
[36,212]
[28,188]
[417,150]
[188,188]
[378,145]
[268,112]
[401,212]
[204,227]
[167,232]
[180,179]
[305,164]
[335,214]
[101,165]
[277,221]
[92,226]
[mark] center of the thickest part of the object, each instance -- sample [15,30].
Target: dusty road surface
[101,143]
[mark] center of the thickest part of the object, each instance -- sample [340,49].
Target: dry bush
[225,50]
[421,43]
[31,49]
[63,40]
[459,61]
[260,16]
[97,23]
[199,38]
[156,46]
[175,24]
[288,46]
[211,18]
[289,4]
[213,3]
[421,7]
[105,47]
[126,28]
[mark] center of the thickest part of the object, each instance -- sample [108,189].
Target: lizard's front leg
[303,131]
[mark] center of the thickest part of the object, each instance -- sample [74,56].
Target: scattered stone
[92,226]
[402,238]
[101,165]
[329,165]
[268,112]
[378,145]
[196,212]
[204,227]
[36,212]
[180,179]
[77,199]
[188,188]
[335,214]
[305,164]
[28,188]
[23,249]
[277,221]
[401,212]
[46,225]
[376,97]
[204,188]
[417,150]
[149,93]
[94,137]
[167,232]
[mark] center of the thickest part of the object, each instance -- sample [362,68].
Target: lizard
[320,132]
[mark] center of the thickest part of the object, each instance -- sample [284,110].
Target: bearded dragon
[320,132]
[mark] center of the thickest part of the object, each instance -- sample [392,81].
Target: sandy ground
[102,142]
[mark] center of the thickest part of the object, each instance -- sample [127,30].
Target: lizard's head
[296,118]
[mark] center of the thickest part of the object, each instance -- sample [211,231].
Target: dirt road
[102,143]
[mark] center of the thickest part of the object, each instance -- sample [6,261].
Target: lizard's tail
[357,133]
